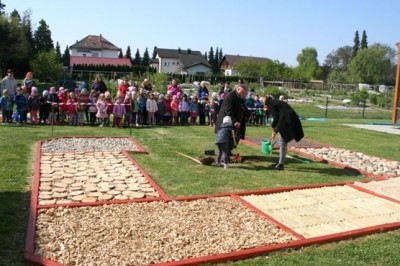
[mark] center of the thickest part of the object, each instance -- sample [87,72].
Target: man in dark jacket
[285,122]
[233,106]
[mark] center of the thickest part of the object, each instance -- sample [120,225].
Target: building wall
[169,65]
[95,53]
[198,69]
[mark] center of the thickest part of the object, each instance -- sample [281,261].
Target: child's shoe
[225,166]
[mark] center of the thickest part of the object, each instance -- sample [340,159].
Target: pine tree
[356,44]
[205,56]
[120,55]
[137,61]
[221,55]
[2,7]
[42,38]
[58,53]
[364,42]
[211,56]
[66,57]
[154,52]
[146,58]
[128,53]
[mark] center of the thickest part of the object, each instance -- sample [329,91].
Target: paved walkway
[381,128]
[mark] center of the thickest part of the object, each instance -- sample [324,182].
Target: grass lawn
[179,176]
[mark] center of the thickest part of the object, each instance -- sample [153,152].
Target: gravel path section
[145,233]
[90,177]
[88,145]
[357,160]
[389,187]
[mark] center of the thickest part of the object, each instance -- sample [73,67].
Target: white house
[96,50]
[227,63]
[178,61]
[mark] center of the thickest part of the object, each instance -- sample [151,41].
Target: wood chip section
[327,210]
[152,232]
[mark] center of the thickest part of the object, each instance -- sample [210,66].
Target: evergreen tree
[356,44]
[211,56]
[66,57]
[221,55]
[154,52]
[15,15]
[2,7]
[137,61]
[216,59]
[364,42]
[120,55]
[58,53]
[128,53]
[205,56]
[146,58]
[42,38]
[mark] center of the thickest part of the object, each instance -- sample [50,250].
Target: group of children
[81,107]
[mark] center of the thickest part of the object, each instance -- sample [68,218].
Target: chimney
[189,51]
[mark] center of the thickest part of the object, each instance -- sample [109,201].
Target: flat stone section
[151,232]
[327,210]
[90,177]
[389,188]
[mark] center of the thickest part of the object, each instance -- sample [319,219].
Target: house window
[165,63]
[95,54]
[173,63]
[84,55]
[177,63]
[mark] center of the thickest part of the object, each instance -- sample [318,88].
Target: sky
[275,29]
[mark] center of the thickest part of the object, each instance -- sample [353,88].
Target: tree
[248,68]
[66,57]
[370,66]
[308,66]
[205,56]
[128,53]
[58,53]
[154,52]
[14,47]
[356,45]
[210,58]
[45,65]
[274,70]
[42,38]
[120,55]
[146,59]
[2,7]
[221,55]
[364,42]
[137,61]
[339,59]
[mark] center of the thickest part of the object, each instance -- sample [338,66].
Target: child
[110,106]
[101,109]
[160,110]
[119,110]
[53,101]
[194,110]
[151,107]
[6,107]
[72,109]
[81,109]
[167,105]
[44,107]
[92,107]
[127,103]
[20,102]
[139,111]
[223,140]
[184,106]
[33,105]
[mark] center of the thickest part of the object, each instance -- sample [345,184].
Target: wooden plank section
[327,210]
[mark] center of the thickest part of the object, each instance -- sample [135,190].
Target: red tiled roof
[81,60]
[94,42]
